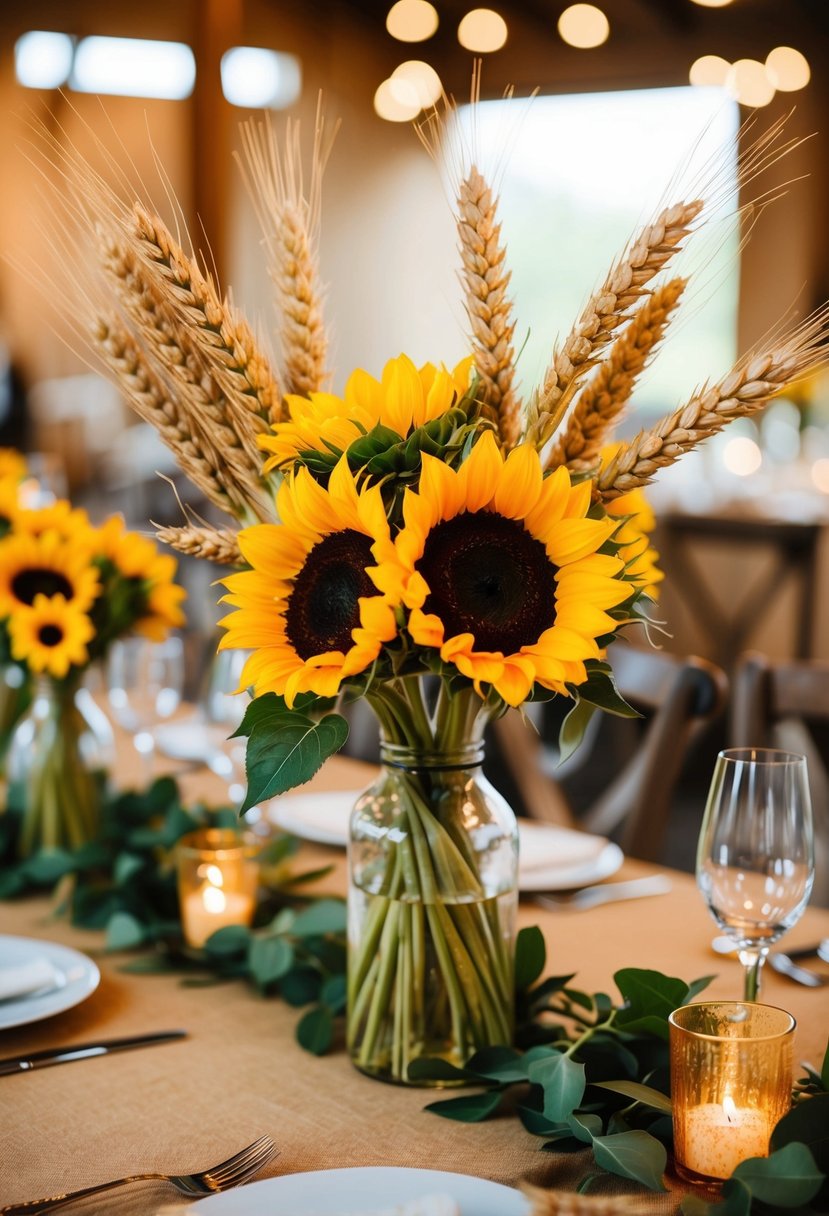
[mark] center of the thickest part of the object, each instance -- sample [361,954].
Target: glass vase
[15,699]
[59,756]
[433,876]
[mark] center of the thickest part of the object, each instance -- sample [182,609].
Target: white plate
[191,740]
[362,1191]
[552,858]
[81,978]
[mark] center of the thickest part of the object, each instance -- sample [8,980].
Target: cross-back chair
[677,697]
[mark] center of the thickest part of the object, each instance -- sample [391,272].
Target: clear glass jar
[433,885]
[59,754]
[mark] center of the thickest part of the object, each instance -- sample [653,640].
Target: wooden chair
[783,703]
[676,696]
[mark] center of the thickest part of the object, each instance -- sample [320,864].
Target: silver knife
[83,1051]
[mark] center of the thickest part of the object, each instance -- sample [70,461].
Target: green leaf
[537,1124]
[471,1108]
[563,1083]
[635,1155]
[600,690]
[432,1068]
[640,1093]
[788,1178]
[530,956]
[697,986]
[124,932]
[227,941]
[323,916]
[315,1030]
[333,993]
[650,998]
[47,866]
[269,705]
[125,867]
[503,1064]
[736,1199]
[300,986]
[573,727]
[807,1123]
[269,958]
[286,750]
[585,1127]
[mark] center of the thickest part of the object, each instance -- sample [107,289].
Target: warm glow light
[712,3]
[258,79]
[412,20]
[820,474]
[396,101]
[134,67]
[749,82]
[482,30]
[214,900]
[742,456]
[709,70]
[43,60]
[423,78]
[583,26]
[788,70]
[213,875]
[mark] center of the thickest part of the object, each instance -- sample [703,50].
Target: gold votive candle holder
[218,874]
[731,1082]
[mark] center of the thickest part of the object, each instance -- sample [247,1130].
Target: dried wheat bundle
[570,1203]
[236,360]
[742,392]
[290,222]
[218,545]
[605,396]
[604,312]
[485,280]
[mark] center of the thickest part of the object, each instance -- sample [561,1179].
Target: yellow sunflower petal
[519,485]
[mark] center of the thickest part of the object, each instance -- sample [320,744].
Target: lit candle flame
[729,1107]
[213,899]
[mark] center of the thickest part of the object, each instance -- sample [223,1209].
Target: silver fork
[606,893]
[221,1177]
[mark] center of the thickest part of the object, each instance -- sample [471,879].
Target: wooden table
[240,1074]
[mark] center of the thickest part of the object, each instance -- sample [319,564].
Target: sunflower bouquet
[433,541]
[68,590]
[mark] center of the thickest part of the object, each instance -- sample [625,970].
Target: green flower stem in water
[62,782]
[430,953]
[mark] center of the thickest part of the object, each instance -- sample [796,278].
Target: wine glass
[144,683]
[755,860]
[223,706]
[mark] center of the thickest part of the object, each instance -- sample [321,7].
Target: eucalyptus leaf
[269,958]
[300,986]
[807,1123]
[563,1083]
[432,1068]
[228,941]
[650,998]
[315,1030]
[503,1064]
[323,916]
[333,993]
[124,932]
[585,1127]
[469,1108]
[47,866]
[537,1123]
[788,1178]
[635,1155]
[639,1093]
[287,750]
[698,986]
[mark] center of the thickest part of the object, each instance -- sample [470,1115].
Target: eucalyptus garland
[586,1071]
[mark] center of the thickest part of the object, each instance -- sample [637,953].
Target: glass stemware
[144,684]
[755,860]
[223,706]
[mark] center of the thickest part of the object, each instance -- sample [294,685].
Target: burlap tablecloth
[188,1104]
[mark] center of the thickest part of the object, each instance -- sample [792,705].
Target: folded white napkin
[25,978]
[545,846]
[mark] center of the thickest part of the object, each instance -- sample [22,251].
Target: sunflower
[12,465]
[164,598]
[131,554]
[70,523]
[45,565]
[9,504]
[403,399]
[634,534]
[308,607]
[501,570]
[50,636]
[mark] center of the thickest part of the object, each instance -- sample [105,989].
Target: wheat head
[218,545]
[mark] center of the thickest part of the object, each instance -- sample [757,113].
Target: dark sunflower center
[323,607]
[50,635]
[40,581]
[490,578]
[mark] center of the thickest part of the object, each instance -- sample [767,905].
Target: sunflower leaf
[286,749]
[600,690]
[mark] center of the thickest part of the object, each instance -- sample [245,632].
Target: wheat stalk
[218,545]
[485,280]
[571,1203]
[606,309]
[149,397]
[290,222]
[604,397]
[741,393]
[224,339]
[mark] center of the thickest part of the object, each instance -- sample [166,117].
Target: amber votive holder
[731,1082]
[218,874]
